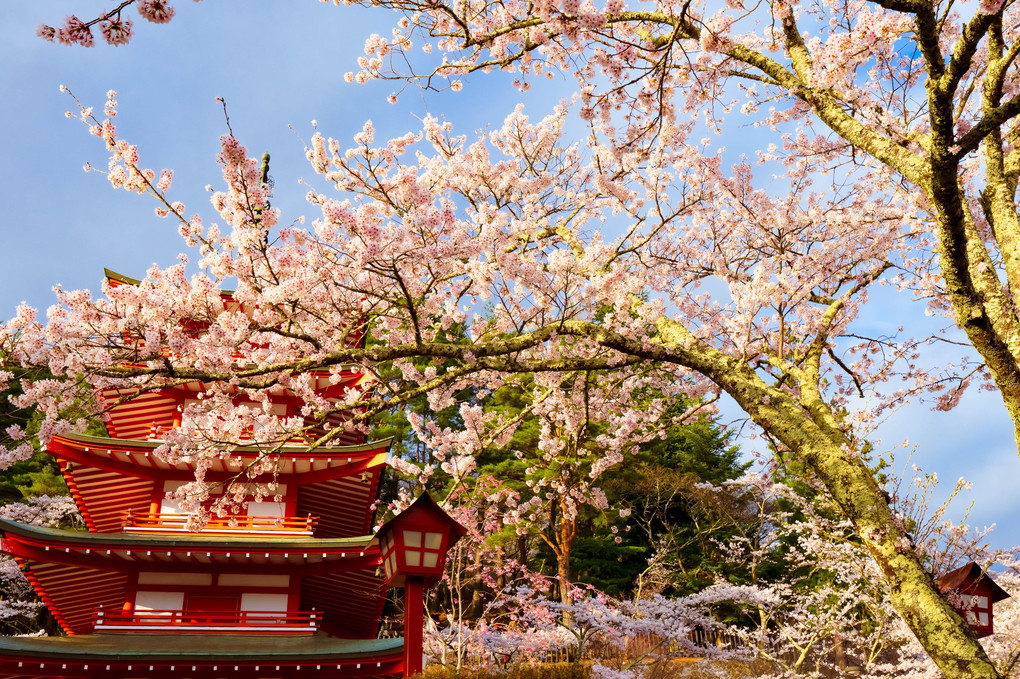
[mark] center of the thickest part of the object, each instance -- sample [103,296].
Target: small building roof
[425,505]
[971,575]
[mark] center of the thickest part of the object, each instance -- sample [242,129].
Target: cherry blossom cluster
[115,28]
[509,236]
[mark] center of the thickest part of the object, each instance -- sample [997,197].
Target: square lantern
[978,592]
[415,542]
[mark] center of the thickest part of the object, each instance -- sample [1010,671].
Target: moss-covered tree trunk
[794,412]
[809,428]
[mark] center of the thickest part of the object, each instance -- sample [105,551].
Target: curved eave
[164,647]
[198,656]
[136,458]
[131,552]
[288,450]
[74,572]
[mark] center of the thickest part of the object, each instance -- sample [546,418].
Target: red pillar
[414,607]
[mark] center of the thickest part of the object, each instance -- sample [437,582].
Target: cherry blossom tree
[925,89]
[741,292]
[828,612]
[639,254]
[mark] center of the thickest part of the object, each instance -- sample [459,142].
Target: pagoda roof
[197,655]
[107,477]
[75,571]
[135,413]
[199,646]
[115,278]
[136,458]
[128,551]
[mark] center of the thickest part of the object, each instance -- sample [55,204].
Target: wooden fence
[830,662]
[640,645]
[702,643]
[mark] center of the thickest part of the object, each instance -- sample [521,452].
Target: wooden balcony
[233,525]
[201,622]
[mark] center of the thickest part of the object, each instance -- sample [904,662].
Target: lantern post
[413,547]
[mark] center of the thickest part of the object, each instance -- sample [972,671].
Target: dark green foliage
[507,464]
[609,567]
[700,448]
[40,474]
[669,513]
[658,485]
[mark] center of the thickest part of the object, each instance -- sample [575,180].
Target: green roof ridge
[254,542]
[166,647]
[109,441]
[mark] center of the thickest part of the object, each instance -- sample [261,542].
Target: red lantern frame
[413,547]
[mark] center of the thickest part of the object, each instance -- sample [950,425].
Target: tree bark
[812,432]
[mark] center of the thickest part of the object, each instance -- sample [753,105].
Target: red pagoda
[291,586]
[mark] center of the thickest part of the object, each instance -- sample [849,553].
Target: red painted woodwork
[201,621]
[109,476]
[234,525]
[141,574]
[414,607]
[975,593]
[147,415]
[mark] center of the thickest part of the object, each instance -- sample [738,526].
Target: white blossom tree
[638,254]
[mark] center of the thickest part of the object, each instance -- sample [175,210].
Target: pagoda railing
[201,622]
[178,523]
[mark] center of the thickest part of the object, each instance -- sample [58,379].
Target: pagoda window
[162,602]
[278,410]
[166,505]
[977,610]
[264,603]
[211,604]
[275,509]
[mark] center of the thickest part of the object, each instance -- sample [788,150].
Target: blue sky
[280,65]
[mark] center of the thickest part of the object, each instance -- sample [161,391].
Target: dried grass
[676,668]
